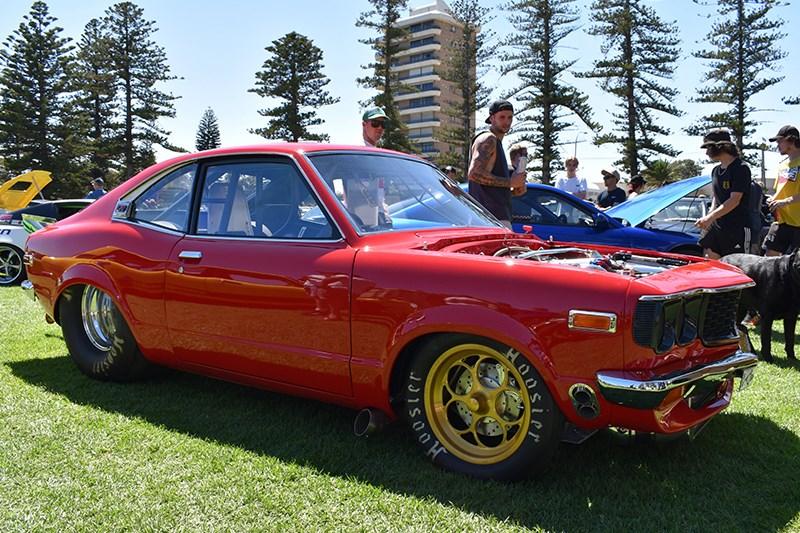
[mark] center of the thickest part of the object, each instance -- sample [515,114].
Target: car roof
[645,205]
[287,148]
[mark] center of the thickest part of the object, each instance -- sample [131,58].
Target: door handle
[190,255]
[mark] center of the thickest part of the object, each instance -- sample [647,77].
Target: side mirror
[601,221]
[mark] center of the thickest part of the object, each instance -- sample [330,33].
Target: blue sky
[217,47]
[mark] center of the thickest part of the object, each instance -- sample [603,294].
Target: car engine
[624,263]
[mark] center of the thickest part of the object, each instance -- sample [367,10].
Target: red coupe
[368,279]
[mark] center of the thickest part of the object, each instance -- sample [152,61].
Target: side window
[262,200]
[525,210]
[166,203]
[566,213]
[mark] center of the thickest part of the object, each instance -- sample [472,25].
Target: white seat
[239,222]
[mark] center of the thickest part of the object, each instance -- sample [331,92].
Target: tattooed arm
[483,158]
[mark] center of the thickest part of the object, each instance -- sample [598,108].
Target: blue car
[553,213]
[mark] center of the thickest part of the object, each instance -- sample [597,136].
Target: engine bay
[620,262]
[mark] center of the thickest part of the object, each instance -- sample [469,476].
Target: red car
[297,268]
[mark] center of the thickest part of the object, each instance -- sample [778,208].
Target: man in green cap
[373,123]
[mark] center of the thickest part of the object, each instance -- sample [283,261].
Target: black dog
[776,295]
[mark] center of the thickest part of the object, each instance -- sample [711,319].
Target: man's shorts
[781,237]
[725,241]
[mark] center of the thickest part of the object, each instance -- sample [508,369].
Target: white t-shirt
[572,185]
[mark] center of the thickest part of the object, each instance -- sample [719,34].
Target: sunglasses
[377,124]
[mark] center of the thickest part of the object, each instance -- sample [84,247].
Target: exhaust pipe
[369,421]
[584,401]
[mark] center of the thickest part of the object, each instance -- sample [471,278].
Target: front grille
[719,318]
[660,323]
[644,322]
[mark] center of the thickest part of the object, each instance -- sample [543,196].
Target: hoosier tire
[479,408]
[98,338]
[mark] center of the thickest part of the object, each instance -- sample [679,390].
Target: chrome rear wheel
[97,336]
[99,315]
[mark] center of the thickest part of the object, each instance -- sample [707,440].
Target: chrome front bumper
[647,394]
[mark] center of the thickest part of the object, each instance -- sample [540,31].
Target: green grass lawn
[185,453]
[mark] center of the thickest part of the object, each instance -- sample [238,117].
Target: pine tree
[96,89]
[138,64]
[207,132]
[640,52]
[382,19]
[293,74]
[742,52]
[33,87]
[463,70]
[546,97]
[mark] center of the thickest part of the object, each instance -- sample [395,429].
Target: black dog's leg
[766,338]
[789,323]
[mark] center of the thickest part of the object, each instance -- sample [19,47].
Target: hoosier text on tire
[98,338]
[479,408]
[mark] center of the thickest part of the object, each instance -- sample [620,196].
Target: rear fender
[88,274]
[154,342]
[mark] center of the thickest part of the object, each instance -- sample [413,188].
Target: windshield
[384,193]
[685,209]
[681,215]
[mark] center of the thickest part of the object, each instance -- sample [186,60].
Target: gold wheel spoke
[467,379]
[478,408]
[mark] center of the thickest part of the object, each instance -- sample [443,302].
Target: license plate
[747,377]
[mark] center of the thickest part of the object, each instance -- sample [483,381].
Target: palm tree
[658,173]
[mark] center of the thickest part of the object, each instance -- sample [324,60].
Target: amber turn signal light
[592,320]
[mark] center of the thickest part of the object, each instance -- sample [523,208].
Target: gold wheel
[477,404]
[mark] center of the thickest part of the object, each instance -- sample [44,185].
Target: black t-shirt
[734,178]
[608,198]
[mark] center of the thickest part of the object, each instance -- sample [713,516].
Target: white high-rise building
[432,32]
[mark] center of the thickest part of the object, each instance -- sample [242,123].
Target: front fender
[370,374]
[525,306]
[473,320]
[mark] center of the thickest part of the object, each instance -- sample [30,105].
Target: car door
[261,286]
[552,213]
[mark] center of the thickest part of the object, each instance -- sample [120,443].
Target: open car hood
[641,207]
[17,192]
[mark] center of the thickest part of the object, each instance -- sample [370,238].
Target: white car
[15,226]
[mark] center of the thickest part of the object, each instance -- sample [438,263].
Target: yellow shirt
[788,185]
